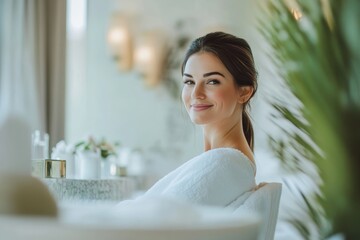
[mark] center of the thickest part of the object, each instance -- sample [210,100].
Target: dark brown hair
[236,55]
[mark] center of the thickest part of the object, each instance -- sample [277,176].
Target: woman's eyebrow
[213,73]
[188,75]
[206,74]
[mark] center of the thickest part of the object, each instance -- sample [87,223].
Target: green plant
[319,59]
[104,147]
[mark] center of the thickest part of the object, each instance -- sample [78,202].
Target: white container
[88,165]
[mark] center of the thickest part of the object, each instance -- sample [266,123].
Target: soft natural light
[76,17]
[297,14]
[143,54]
[117,35]
[76,23]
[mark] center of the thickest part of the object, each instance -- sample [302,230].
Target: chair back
[265,201]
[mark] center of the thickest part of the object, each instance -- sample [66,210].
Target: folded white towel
[216,177]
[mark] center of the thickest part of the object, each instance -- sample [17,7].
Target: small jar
[55,168]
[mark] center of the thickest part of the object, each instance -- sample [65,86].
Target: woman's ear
[245,93]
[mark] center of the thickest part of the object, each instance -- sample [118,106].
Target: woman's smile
[200,107]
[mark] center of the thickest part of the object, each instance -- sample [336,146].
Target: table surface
[91,189]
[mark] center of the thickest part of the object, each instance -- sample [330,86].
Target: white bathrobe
[216,177]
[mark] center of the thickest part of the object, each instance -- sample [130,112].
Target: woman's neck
[229,136]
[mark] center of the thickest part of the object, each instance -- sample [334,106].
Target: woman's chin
[199,121]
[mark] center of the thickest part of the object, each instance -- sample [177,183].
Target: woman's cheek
[185,97]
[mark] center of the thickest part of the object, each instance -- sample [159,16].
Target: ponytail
[248,129]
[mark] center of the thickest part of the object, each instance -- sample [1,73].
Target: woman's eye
[188,82]
[213,82]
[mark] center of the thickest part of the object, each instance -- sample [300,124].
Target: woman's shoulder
[229,156]
[225,151]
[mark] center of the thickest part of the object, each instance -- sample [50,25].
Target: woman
[219,79]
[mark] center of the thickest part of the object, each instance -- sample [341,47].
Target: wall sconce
[150,56]
[120,41]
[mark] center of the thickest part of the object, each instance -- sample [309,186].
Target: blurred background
[76,68]
[105,99]
[120,104]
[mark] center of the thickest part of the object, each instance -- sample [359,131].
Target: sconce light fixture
[147,56]
[150,56]
[120,41]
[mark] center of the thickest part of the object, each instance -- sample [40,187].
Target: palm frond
[318,57]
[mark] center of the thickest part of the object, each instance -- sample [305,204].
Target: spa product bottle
[39,152]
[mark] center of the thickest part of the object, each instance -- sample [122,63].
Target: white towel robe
[216,177]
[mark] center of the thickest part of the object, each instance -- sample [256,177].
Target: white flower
[62,149]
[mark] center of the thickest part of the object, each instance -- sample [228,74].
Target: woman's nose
[198,92]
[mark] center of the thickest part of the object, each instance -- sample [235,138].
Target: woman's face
[209,93]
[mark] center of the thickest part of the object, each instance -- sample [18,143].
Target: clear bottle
[39,152]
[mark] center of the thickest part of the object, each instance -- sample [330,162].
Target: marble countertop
[90,190]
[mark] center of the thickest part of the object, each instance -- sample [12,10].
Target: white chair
[264,201]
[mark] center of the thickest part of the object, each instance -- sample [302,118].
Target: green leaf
[318,58]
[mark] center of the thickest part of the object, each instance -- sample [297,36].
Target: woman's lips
[200,107]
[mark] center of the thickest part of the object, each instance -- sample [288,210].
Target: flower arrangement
[87,159]
[104,147]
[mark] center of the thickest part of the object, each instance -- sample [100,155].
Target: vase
[88,165]
[105,168]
